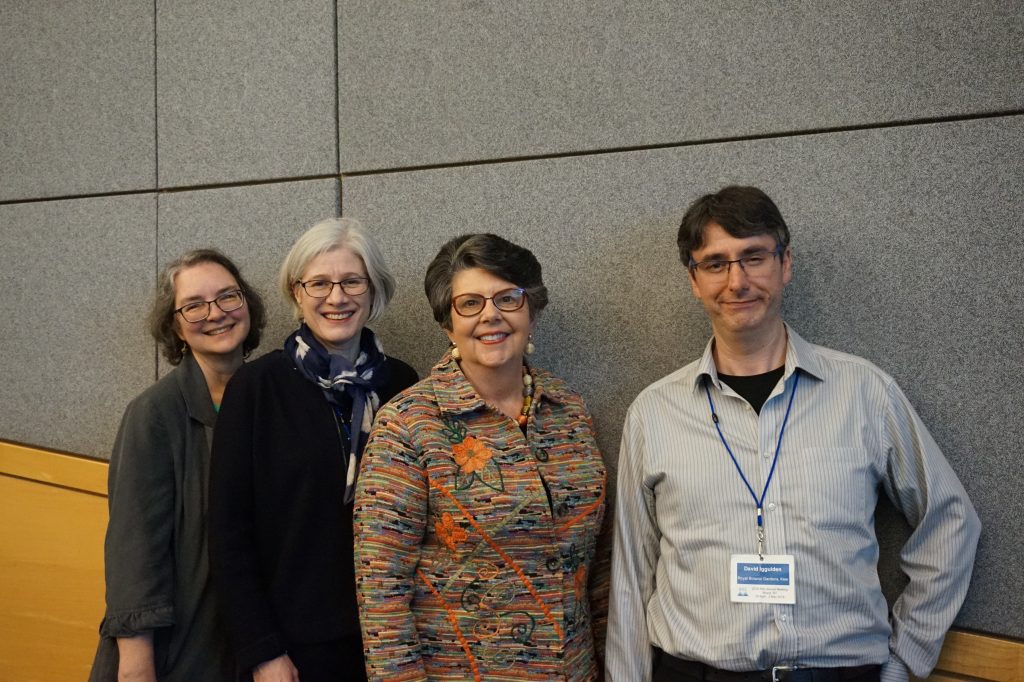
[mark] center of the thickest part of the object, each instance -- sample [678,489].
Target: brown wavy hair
[162,324]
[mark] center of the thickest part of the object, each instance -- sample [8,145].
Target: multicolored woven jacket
[475,545]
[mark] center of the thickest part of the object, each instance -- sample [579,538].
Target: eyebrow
[347,275]
[745,252]
[190,299]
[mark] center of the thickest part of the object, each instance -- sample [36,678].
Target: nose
[490,311]
[215,311]
[737,276]
[337,294]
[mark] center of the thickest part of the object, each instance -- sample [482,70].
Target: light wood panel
[51,563]
[54,512]
[966,655]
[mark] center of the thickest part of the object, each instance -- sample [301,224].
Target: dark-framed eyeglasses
[506,300]
[197,311]
[755,264]
[322,288]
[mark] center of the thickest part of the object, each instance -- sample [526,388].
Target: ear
[694,287]
[449,334]
[296,293]
[787,265]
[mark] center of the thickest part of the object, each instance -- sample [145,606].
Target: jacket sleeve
[599,580]
[234,560]
[390,518]
[938,558]
[599,587]
[138,551]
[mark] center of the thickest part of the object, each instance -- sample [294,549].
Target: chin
[498,363]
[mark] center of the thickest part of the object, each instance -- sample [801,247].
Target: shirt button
[784,618]
[767,455]
[771,506]
[540,455]
[563,509]
[552,563]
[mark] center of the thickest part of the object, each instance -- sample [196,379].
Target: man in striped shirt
[747,486]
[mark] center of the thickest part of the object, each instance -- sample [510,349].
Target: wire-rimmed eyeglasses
[754,264]
[506,300]
[322,288]
[197,311]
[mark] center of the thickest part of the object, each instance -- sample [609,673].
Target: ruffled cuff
[131,623]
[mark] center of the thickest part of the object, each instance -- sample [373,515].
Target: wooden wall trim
[54,468]
[965,655]
[970,656]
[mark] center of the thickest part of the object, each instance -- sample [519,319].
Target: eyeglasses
[754,264]
[322,288]
[506,300]
[197,311]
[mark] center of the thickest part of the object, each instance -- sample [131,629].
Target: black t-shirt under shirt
[756,388]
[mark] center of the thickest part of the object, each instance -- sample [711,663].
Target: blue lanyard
[759,502]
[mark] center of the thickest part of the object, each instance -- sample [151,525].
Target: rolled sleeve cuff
[132,623]
[894,670]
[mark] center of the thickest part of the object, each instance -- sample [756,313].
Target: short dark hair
[489,252]
[161,314]
[741,211]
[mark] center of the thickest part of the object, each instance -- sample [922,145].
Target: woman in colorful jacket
[481,495]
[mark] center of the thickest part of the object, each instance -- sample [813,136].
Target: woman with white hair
[285,455]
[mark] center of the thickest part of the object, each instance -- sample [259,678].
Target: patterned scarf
[337,378]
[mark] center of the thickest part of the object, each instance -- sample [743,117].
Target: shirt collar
[799,355]
[195,391]
[456,395]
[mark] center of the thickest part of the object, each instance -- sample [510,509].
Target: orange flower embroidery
[449,532]
[471,455]
[580,581]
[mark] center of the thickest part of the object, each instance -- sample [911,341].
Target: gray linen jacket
[156,560]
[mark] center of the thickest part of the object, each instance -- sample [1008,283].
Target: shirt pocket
[831,492]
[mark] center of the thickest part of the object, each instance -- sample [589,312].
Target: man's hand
[280,669]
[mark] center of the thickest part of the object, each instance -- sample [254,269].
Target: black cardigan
[280,535]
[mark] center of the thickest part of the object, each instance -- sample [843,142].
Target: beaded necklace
[527,398]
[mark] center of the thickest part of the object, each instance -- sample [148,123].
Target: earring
[184,348]
[529,346]
[456,355]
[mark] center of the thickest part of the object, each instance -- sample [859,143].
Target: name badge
[754,580]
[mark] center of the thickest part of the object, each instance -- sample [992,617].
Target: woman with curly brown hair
[161,622]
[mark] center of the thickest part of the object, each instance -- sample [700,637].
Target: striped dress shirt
[682,510]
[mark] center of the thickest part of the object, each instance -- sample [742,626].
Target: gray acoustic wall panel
[442,82]
[245,90]
[77,277]
[254,226]
[905,253]
[76,105]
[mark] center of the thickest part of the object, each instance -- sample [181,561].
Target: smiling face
[737,303]
[221,334]
[494,338]
[338,320]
